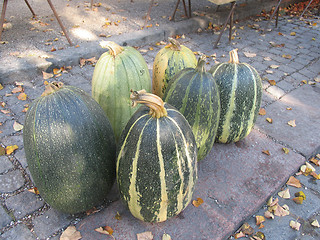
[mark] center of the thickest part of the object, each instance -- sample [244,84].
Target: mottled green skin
[70,150]
[113,78]
[240,90]
[195,94]
[178,154]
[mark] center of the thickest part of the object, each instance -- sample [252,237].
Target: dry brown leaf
[5,111]
[22,96]
[295,225]
[292,123]
[267,59]
[269,71]
[11,149]
[247,229]
[272,202]
[2,104]
[266,152]
[197,202]
[145,236]
[262,112]
[272,82]
[315,223]
[315,175]
[92,211]
[269,215]
[70,233]
[1,87]
[250,55]
[239,235]
[269,120]
[273,66]
[166,236]
[17,89]
[105,230]
[284,194]
[289,108]
[46,75]
[294,182]
[310,166]
[118,216]
[280,211]
[34,190]
[17,126]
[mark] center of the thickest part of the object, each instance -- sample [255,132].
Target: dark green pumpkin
[195,94]
[157,161]
[240,91]
[70,149]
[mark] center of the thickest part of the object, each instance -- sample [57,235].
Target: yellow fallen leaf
[259,220]
[295,225]
[34,190]
[289,108]
[292,123]
[1,87]
[298,200]
[70,233]
[285,150]
[151,48]
[262,112]
[313,39]
[118,216]
[17,126]
[145,236]
[294,182]
[292,33]
[249,55]
[247,229]
[272,82]
[287,56]
[300,194]
[11,149]
[316,176]
[304,81]
[284,194]
[22,96]
[269,120]
[166,236]
[197,202]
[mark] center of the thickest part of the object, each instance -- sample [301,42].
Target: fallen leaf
[118,216]
[298,200]
[2,104]
[166,236]
[300,194]
[259,220]
[17,126]
[289,108]
[259,236]
[5,111]
[267,59]
[310,166]
[292,33]
[304,81]
[2,151]
[17,89]
[315,223]
[197,202]
[46,75]
[272,82]
[269,120]
[285,150]
[239,235]
[105,230]
[1,87]
[247,229]
[92,211]
[269,71]
[273,66]
[269,215]
[294,182]
[250,55]
[34,190]
[262,112]
[287,56]
[22,96]
[316,176]
[70,233]
[292,123]
[284,194]
[11,149]
[295,225]
[280,211]
[266,152]
[145,236]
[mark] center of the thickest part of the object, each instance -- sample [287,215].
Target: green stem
[152,101]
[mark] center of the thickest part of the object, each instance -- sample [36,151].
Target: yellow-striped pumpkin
[240,91]
[116,72]
[170,60]
[157,160]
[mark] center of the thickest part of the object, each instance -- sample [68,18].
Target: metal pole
[3,13]
[148,13]
[306,8]
[174,12]
[59,21]
[29,6]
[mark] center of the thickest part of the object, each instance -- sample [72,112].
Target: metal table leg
[276,11]
[3,13]
[29,6]
[230,16]
[305,9]
[59,21]
[185,9]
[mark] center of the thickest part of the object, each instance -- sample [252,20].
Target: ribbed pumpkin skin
[240,91]
[157,165]
[112,80]
[167,63]
[70,149]
[195,94]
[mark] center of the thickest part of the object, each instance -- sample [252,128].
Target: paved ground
[235,180]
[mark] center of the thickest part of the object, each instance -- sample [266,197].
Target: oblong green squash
[116,72]
[157,160]
[70,148]
[195,94]
[170,60]
[240,91]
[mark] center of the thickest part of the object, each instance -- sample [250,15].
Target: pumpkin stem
[51,88]
[174,44]
[201,63]
[234,58]
[113,48]
[155,103]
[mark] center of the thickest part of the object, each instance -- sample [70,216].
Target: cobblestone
[20,232]
[5,164]
[5,219]
[11,181]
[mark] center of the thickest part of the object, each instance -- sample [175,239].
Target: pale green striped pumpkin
[115,73]
[170,60]
[157,160]
[195,94]
[240,91]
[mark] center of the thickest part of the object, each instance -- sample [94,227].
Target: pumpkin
[195,94]
[240,91]
[70,148]
[115,73]
[157,160]
[169,61]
